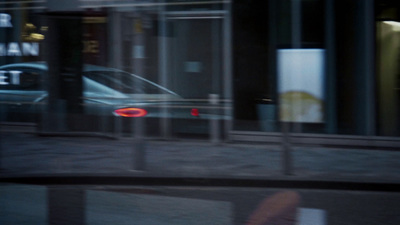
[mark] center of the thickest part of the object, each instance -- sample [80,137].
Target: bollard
[213,100]
[287,159]
[138,148]
[139,154]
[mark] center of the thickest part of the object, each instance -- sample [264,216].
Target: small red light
[131,112]
[195,112]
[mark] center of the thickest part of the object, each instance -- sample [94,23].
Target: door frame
[225,16]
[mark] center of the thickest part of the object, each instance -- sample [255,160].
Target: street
[189,182]
[24,204]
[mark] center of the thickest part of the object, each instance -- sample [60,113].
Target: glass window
[262,31]
[23,80]
[124,82]
[388,69]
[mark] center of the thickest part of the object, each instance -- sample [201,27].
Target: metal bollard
[213,99]
[139,154]
[139,148]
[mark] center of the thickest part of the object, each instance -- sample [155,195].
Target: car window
[22,79]
[124,82]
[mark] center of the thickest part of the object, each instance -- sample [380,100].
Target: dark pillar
[64,47]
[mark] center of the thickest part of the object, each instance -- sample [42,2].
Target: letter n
[30,49]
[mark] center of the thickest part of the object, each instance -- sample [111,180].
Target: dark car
[106,92]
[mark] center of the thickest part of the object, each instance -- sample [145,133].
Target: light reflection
[395,25]
[30,33]
[36,36]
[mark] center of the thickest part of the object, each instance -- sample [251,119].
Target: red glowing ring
[131,112]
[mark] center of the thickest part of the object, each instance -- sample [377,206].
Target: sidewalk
[25,154]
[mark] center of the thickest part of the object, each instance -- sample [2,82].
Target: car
[107,92]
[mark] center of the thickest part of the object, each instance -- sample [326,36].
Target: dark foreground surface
[109,204]
[91,180]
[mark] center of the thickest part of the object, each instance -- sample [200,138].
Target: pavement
[27,154]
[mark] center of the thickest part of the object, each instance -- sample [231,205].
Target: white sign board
[300,85]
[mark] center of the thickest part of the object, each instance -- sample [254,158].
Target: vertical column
[368,61]
[296,31]
[216,55]
[138,52]
[227,67]
[138,68]
[116,59]
[214,121]
[272,67]
[65,87]
[165,122]
[287,159]
[365,95]
[330,69]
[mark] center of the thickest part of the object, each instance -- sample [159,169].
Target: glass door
[194,64]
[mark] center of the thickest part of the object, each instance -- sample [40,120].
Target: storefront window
[22,36]
[87,66]
[259,65]
[388,70]
[278,46]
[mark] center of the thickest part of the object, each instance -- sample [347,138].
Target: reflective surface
[199,112]
[191,205]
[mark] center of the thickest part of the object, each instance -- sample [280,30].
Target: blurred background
[312,66]
[234,91]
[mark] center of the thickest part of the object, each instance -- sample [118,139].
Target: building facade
[240,68]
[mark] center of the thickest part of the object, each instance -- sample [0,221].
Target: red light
[195,112]
[131,112]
